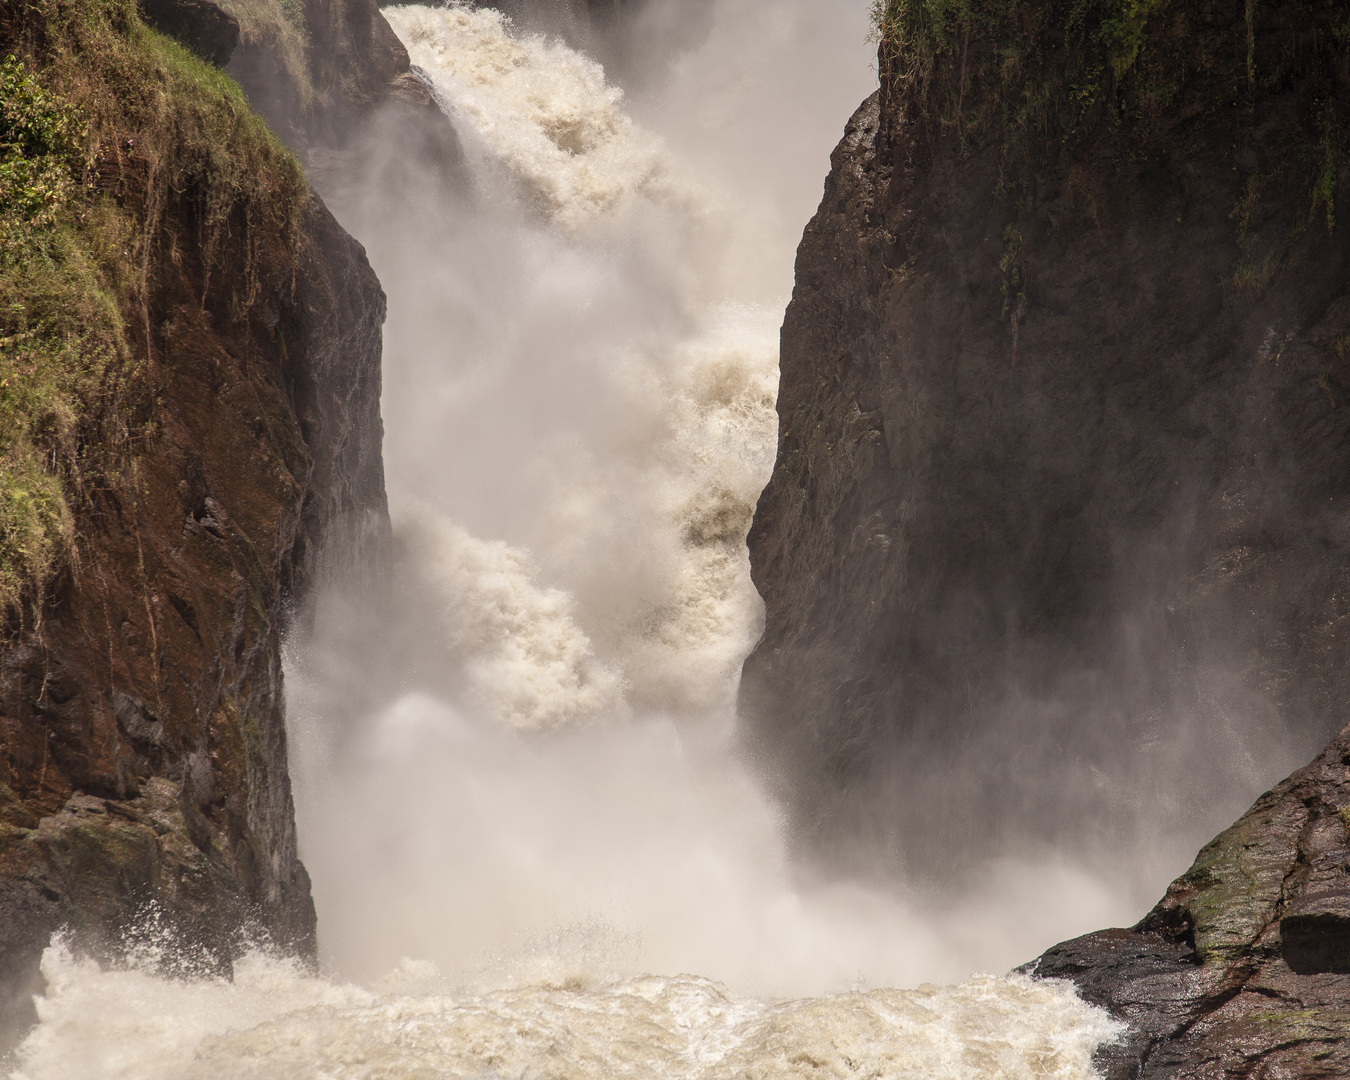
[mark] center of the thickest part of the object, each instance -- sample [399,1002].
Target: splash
[525,660]
[272,1021]
[580,412]
[610,412]
[535,112]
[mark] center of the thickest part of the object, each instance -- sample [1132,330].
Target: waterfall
[518,788]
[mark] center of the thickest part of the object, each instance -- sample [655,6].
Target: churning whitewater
[516,782]
[272,1022]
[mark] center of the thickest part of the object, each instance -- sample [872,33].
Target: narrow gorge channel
[537,842]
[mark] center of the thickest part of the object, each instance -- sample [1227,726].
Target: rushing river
[517,785]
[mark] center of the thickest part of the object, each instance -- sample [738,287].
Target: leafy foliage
[41,139]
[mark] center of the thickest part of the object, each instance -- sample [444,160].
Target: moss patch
[1028,75]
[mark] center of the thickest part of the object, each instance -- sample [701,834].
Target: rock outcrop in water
[1063,471]
[143,763]
[1243,968]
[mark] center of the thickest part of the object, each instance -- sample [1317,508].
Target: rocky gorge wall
[223,457]
[1058,522]
[1062,458]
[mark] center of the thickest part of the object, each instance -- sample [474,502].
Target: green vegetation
[41,139]
[1251,277]
[1329,154]
[1025,74]
[54,323]
[123,159]
[1021,69]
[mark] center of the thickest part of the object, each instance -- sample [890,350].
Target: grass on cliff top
[119,154]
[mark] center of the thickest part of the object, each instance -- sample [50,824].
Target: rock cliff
[226,450]
[319,71]
[1060,499]
[1063,481]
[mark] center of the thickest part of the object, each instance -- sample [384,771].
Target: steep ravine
[143,761]
[1056,546]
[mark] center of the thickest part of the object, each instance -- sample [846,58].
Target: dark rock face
[143,757]
[1063,469]
[348,102]
[357,61]
[1241,968]
[143,773]
[199,24]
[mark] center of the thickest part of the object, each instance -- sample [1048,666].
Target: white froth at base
[273,1022]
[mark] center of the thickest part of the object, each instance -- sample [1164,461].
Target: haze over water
[535,850]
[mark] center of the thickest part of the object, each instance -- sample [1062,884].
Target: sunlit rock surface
[1241,968]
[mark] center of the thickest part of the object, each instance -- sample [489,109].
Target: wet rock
[1317,940]
[1240,970]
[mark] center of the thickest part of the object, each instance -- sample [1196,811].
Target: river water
[517,785]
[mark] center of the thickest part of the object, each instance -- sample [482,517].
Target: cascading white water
[520,774]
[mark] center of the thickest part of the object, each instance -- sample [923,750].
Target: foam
[540,113]
[273,1021]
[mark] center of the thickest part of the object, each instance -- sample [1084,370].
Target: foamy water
[535,113]
[272,1021]
[521,771]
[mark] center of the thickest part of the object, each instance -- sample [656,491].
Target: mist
[521,763]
